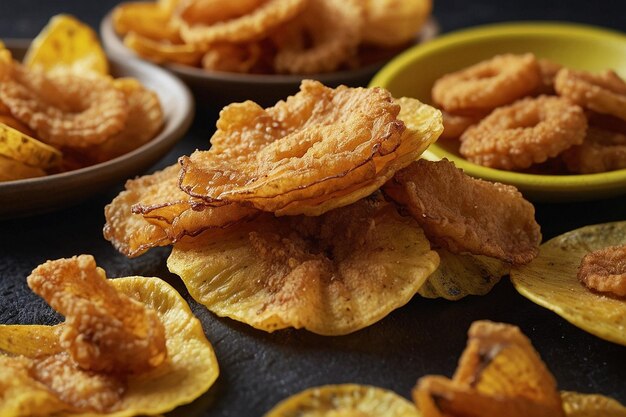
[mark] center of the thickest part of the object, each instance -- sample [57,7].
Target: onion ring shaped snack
[604,92]
[489,84]
[455,124]
[65,108]
[527,132]
[252,26]
[601,151]
[319,40]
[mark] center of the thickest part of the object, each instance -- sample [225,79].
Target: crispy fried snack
[103,330]
[461,275]
[528,131]
[210,12]
[318,39]
[11,170]
[23,148]
[590,405]
[149,20]
[467,215]
[551,281]
[163,52]
[39,378]
[153,211]
[251,26]
[63,107]
[604,92]
[499,374]
[344,400]
[233,57]
[601,151]
[332,274]
[549,69]
[455,124]
[394,22]
[604,270]
[484,86]
[320,149]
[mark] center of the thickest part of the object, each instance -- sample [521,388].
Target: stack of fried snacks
[61,110]
[128,346]
[269,36]
[517,112]
[281,222]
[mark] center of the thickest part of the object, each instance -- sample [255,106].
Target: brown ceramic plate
[37,195]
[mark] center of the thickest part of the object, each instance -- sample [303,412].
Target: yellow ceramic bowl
[413,73]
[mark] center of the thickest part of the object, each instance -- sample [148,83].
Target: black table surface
[259,369]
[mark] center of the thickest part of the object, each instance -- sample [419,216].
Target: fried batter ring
[322,23]
[604,92]
[528,131]
[498,81]
[604,270]
[65,109]
[601,151]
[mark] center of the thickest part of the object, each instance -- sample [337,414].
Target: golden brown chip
[604,270]
[11,170]
[551,281]
[499,374]
[347,400]
[320,39]
[591,405]
[467,215]
[394,22]
[147,19]
[209,12]
[23,148]
[232,57]
[67,43]
[332,274]
[103,330]
[601,151]
[461,275]
[153,211]
[163,51]
[29,381]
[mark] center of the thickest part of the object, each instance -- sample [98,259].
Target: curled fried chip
[332,274]
[604,270]
[163,52]
[103,330]
[153,211]
[499,374]
[461,275]
[318,39]
[11,170]
[147,19]
[232,57]
[344,400]
[209,12]
[67,43]
[394,22]
[23,148]
[190,369]
[591,405]
[317,145]
[551,281]
[601,151]
[65,108]
[467,215]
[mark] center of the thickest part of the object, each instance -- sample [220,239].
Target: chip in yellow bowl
[551,281]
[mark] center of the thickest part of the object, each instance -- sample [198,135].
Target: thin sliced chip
[332,274]
[11,170]
[147,19]
[499,374]
[23,148]
[462,275]
[551,281]
[163,51]
[348,400]
[66,43]
[190,370]
[591,405]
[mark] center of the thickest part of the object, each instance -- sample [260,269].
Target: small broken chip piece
[551,281]
[333,274]
[349,400]
[604,270]
[39,375]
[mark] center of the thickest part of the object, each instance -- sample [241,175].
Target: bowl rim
[531,182]
[114,46]
[165,138]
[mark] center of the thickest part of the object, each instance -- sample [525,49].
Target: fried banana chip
[320,142]
[23,148]
[591,405]
[44,373]
[153,211]
[344,400]
[67,43]
[11,170]
[467,215]
[394,22]
[499,374]
[462,275]
[551,281]
[332,274]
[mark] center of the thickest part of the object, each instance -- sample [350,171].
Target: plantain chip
[190,370]
[499,374]
[332,274]
[551,281]
[462,275]
[11,169]
[21,147]
[591,405]
[348,400]
[67,43]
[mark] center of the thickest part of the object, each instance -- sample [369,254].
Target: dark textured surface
[259,369]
